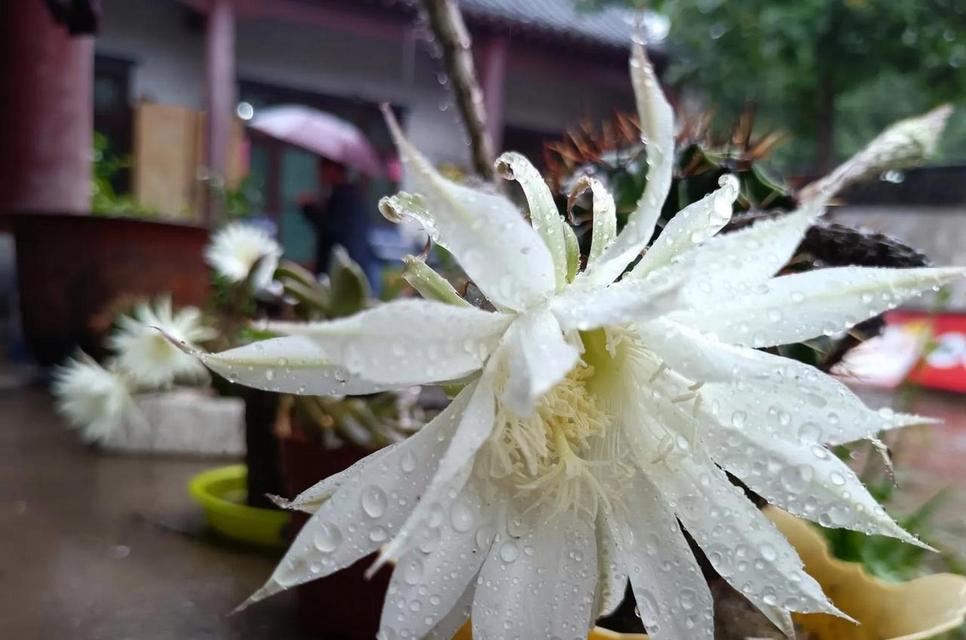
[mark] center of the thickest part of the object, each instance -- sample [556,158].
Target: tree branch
[446,21]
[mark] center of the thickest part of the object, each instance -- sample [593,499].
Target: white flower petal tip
[280,502]
[822,302]
[499,251]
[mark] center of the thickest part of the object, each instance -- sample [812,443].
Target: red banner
[924,348]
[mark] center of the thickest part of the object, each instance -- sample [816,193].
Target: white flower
[238,248]
[95,401]
[143,352]
[599,415]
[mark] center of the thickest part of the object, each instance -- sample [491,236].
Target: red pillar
[220,87]
[493,80]
[46,85]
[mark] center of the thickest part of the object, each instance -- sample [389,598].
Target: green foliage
[885,557]
[238,202]
[104,199]
[839,68]
[343,292]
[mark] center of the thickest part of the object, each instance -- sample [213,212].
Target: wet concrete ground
[95,546]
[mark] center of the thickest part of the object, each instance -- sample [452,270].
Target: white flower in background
[238,248]
[143,352]
[94,400]
[600,410]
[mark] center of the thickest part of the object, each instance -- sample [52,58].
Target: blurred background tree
[829,72]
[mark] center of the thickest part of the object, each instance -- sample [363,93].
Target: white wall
[168,48]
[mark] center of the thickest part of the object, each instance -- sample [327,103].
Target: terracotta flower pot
[914,610]
[71,267]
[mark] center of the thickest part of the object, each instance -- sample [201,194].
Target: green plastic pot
[221,493]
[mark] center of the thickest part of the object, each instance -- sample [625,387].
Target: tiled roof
[611,26]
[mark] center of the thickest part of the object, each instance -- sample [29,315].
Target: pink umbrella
[321,133]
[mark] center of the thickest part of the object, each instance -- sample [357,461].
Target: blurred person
[339,218]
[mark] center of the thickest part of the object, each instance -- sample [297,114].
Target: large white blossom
[94,400]
[238,249]
[600,413]
[146,356]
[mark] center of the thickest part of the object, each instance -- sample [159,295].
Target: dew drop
[509,551]
[328,538]
[461,517]
[374,501]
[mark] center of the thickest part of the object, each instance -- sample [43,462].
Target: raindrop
[797,478]
[328,538]
[509,551]
[461,517]
[378,534]
[408,462]
[374,501]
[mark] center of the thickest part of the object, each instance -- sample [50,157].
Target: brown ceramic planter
[71,267]
[344,605]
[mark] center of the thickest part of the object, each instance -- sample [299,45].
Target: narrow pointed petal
[672,595]
[612,574]
[806,403]
[520,591]
[430,284]
[629,300]
[292,364]
[730,265]
[904,143]
[496,247]
[605,215]
[544,216]
[657,130]
[537,357]
[408,341]
[573,252]
[475,425]
[429,580]
[741,544]
[367,507]
[692,226]
[807,480]
[802,306]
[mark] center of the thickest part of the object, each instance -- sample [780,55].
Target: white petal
[367,505]
[802,306]
[540,585]
[293,364]
[408,341]
[536,357]
[544,216]
[430,580]
[612,574]
[475,425]
[691,226]
[806,403]
[486,233]
[804,479]
[672,596]
[729,265]
[657,128]
[629,300]
[741,544]
[605,215]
